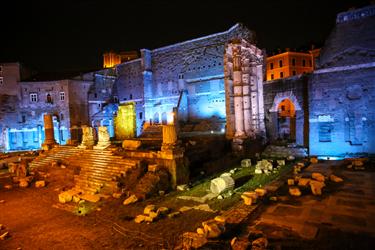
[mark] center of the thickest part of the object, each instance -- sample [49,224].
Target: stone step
[84,165]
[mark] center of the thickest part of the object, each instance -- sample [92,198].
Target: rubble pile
[151,213]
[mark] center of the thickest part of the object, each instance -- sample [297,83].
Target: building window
[293,61]
[180,76]
[130,96]
[294,72]
[49,98]
[1,81]
[325,130]
[271,65]
[272,76]
[281,74]
[303,63]
[280,63]
[33,97]
[23,119]
[95,95]
[140,115]
[61,117]
[1,68]
[62,96]
[115,99]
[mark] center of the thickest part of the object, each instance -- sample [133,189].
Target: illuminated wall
[342,89]
[125,123]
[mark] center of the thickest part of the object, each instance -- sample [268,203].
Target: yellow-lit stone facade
[290,64]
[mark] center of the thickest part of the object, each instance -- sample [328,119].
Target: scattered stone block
[316,187]
[8,186]
[246,163]
[23,183]
[294,191]
[252,194]
[313,160]
[291,158]
[116,195]
[290,182]
[183,187]
[153,215]
[149,208]
[357,163]
[318,177]
[162,211]
[76,199]
[40,184]
[174,214]
[303,182]
[281,162]
[212,230]
[247,200]
[131,144]
[185,209]
[220,219]
[130,200]
[139,218]
[258,171]
[221,184]
[335,178]
[91,197]
[4,236]
[201,231]
[261,192]
[65,197]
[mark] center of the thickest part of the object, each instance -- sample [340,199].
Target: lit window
[293,61]
[62,96]
[281,74]
[115,99]
[280,63]
[33,97]
[303,62]
[180,76]
[1,81]
[271,65]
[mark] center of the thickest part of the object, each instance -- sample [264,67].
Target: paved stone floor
[348,206]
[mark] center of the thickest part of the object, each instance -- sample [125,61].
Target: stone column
[49,137]
[103,138]
[238,94]
[87,138]
[169,137]
[246,104]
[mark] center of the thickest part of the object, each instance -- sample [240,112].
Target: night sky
[72,35]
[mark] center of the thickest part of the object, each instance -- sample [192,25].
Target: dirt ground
[35,220]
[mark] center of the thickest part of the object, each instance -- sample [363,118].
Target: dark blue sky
[72,35]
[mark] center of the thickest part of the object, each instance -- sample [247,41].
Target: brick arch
[282,96]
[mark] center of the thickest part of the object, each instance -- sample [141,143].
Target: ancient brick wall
[342,114]
[294,89]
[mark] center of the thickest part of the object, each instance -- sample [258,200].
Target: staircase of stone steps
[58,153]
[152,131]
[99,171]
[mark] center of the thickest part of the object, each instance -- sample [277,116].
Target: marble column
[238,92]
[103,138]
[49,137]
[88,140]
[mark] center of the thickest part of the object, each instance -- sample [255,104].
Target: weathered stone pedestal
[173,158]
[49,140]
[87,138]
[103,138]
[75,135]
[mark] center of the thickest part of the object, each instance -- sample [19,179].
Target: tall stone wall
[342,114]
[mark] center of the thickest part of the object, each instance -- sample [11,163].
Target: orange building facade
[111,59]
[290,64]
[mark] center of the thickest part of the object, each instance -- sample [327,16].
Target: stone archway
[284,114]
